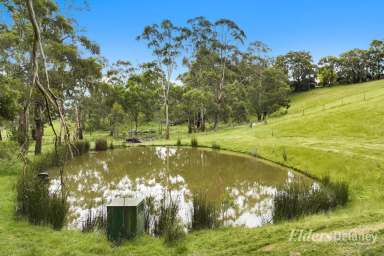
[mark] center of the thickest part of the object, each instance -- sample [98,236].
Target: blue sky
[323,27]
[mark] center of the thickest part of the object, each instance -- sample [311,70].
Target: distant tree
[327,71]
[376,58]
[116,118]
[271,94]
[327,76]
[195,103]
[299,68]
[353,66]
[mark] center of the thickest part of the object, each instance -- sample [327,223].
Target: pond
[246,184]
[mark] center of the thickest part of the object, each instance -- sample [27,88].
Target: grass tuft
[205,213]
[194,142]
[297,199]
[216,146]
[101,145]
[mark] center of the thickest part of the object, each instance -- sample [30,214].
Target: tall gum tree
[227,35]
[166,42]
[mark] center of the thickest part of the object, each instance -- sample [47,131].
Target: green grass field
[331,131]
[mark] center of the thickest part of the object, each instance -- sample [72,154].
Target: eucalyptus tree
[202,72]
[227,35]
[353,66]
[15,52]
[166,41]
[140,99]
[376,58]
[299,67]
[40,24]
[195,102]
[327,71]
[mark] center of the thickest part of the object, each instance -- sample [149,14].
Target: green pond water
[245,184]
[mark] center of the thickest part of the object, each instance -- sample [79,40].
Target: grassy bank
[336,132]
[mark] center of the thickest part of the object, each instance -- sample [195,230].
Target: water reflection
[245,185]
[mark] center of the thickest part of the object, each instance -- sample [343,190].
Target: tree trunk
[136,122]
[23,136]
[61,132]
[166,120]
[216,120]
[202,121]
[79,128]
[39,128]
[189,124]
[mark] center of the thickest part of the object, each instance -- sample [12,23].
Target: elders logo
[302,235]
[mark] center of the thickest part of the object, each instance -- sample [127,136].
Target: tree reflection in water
[244,185]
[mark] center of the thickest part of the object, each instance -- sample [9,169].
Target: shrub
[8,159]
[205,214]
[101,145]
[194,142]
[178,142]
[215,146]
[111,146]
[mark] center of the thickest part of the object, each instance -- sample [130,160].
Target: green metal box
[125,218]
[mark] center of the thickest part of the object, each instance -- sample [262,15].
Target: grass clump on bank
[37,204]
[162,219]
[216,146]
[297,199]
[95,221]
[167,223]
[205,214]
[35,200]
[194,142]
[101,145]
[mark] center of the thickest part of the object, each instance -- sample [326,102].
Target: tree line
[225,80]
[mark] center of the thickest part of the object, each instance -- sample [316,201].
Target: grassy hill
[331,131]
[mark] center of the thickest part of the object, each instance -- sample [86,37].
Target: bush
[297,199]
[9,162]
[101,145]
[205,214]
[215,146]
[194,142]
[111,146]
[178,142]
